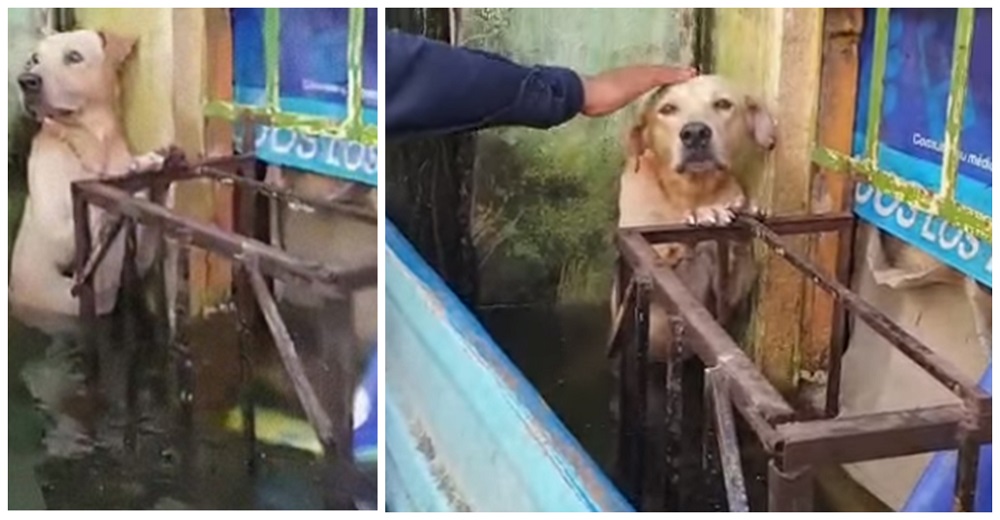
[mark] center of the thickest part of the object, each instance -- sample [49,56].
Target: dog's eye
[73,57]
[723,104]
[668,109]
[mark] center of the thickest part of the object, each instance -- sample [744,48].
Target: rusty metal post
[728,443]
[81,230]
[674,438]
[246,306]
[184,365]
[128,293]
[722,281]
[968,465]
[641,323]
[626,411]
[337,378]
[789,492]
[838,333]
[88,304]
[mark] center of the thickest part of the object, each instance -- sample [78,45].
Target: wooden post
[775,53]
[823,323]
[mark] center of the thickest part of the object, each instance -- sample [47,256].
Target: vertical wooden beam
[776,54]
[832,191]
[219,139]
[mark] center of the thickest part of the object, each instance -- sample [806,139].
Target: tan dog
[70,85]
[683,153]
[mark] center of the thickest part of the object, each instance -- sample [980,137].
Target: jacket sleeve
[435,88]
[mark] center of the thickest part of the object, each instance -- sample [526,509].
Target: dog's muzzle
[698,154]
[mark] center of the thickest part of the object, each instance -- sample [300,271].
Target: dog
[684,155]
[70,85]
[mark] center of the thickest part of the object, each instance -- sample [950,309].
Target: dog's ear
[635,141]
[635,138]
[761,123]
[116,47]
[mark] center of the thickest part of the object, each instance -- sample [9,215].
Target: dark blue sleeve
[433,87]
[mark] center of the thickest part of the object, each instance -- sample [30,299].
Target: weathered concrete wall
[23,32]
[545,200]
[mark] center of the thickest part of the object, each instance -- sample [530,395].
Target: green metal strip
[956,102]
[913,194]
[272,55]
[355,48]
[309,125]
[877,83]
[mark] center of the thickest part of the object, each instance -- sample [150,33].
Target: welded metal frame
[795,444]
[255,264]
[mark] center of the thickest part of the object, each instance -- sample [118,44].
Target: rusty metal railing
[256,263]
[794,445]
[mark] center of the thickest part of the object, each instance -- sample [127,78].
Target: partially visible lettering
[339,157]
[931,234]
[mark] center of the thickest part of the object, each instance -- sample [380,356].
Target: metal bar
[288,196]
[877,84]
[710,341]
[956,101]
[729,446]
[919,198]
[290,359]
[789,491]
[272,261]
[967,467]
[129,286]
[81,230]
[722,281]
[838,330]
[105,236]
[614,342]
[641,320]
[626,417]
[142,180]
[674,415]
[179,340]
[248,315]
[879,435]
[782,225]
[938,367]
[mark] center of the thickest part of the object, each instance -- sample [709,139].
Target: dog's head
[71,71]
[702,125]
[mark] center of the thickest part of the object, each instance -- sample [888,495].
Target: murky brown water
[123,440]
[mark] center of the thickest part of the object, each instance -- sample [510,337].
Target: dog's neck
[101,122]
[93,136]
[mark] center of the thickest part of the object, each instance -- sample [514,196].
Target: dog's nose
[696,135]
[30,82]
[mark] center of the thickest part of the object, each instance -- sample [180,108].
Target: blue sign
[312,82]
[914,109]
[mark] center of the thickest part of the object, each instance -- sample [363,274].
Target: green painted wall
[22,34]
[545,200]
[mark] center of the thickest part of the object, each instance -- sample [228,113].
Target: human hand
[612,90]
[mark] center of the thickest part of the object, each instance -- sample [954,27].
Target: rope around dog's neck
[72,137]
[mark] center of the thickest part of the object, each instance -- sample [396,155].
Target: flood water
[123,440]
[561,350]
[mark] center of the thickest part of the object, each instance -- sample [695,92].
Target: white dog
[70,85]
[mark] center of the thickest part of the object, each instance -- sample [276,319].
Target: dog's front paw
[170,157]
[710,216]
[146,163]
